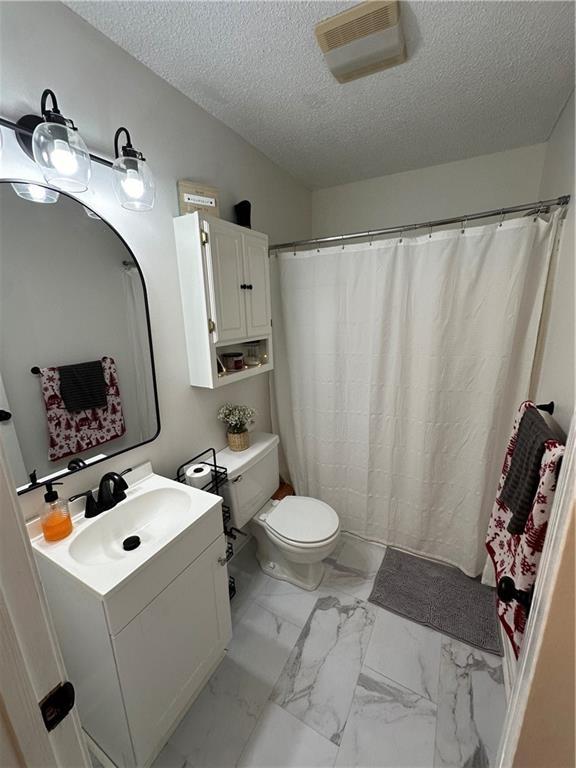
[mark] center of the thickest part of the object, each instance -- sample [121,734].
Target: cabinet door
[257,277]
[164,654]
[227,275]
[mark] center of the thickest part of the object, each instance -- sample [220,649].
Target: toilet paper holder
[218,477]
[218,474]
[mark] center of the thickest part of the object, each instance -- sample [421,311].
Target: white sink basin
[151,515]
[156,509]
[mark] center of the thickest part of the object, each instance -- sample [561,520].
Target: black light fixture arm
[127,150]
[117,135]
[45,94]
[53,115]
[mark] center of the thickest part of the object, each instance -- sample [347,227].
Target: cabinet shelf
[245,373]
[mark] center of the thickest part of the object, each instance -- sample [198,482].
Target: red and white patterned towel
[70,433]
[518,555]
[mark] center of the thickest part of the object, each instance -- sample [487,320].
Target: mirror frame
[67,472]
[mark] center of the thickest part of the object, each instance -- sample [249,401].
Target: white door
[30,662]
[161,670]
[257,277]
[224,248]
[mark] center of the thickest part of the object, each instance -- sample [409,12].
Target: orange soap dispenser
[55,517]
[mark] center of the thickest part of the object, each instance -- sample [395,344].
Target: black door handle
[57,705]
[507,592]
[5,415]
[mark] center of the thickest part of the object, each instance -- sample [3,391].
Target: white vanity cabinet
[165,653]
[141,653]
[225,288]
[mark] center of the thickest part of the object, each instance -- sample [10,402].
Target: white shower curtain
[398,369]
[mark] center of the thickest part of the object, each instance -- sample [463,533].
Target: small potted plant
[237,418]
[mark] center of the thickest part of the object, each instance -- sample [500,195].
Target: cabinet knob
[243,286]
[249,286]
[5,415]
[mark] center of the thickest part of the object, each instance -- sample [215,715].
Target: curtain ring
[501,218]
[429,230]
[342,242]
[465,222]
[401,236]
[370,241]
[539,211]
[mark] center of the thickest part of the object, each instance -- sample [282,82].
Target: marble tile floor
[325,678]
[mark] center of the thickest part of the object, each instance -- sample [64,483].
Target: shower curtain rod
[541,206]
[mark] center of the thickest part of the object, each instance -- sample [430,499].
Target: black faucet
[110,492]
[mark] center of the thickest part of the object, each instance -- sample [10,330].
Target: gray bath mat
[438,596]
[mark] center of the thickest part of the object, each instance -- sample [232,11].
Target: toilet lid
[302,519]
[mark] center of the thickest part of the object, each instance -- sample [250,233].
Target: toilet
[294,535]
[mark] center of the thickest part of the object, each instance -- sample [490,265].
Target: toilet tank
[253,476]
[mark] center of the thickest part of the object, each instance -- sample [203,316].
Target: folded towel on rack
[82,386]
[522,480]
[518,555]
[69,432]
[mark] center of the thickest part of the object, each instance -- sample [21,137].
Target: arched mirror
[77,381]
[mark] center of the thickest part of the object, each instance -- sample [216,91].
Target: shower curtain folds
[398,369]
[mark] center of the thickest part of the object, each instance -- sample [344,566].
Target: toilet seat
[302,520]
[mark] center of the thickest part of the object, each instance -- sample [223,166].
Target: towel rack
[36,370]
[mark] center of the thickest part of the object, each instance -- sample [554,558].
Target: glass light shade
[35,193]
[133,183]
[62,155]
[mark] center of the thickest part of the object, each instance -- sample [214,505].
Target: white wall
[102,87]
[556,375]
[440,191]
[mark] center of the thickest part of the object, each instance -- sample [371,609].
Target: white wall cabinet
[139,656]
[225,287]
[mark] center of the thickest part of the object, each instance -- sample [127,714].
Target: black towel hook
[548,407]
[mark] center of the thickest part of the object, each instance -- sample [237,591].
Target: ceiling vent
[362,40]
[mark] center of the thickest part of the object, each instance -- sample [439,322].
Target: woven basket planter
[238,441]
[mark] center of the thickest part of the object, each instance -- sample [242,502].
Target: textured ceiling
[480,77]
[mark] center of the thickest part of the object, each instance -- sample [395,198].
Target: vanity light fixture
[35,193]
[133,181]
[56,146]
